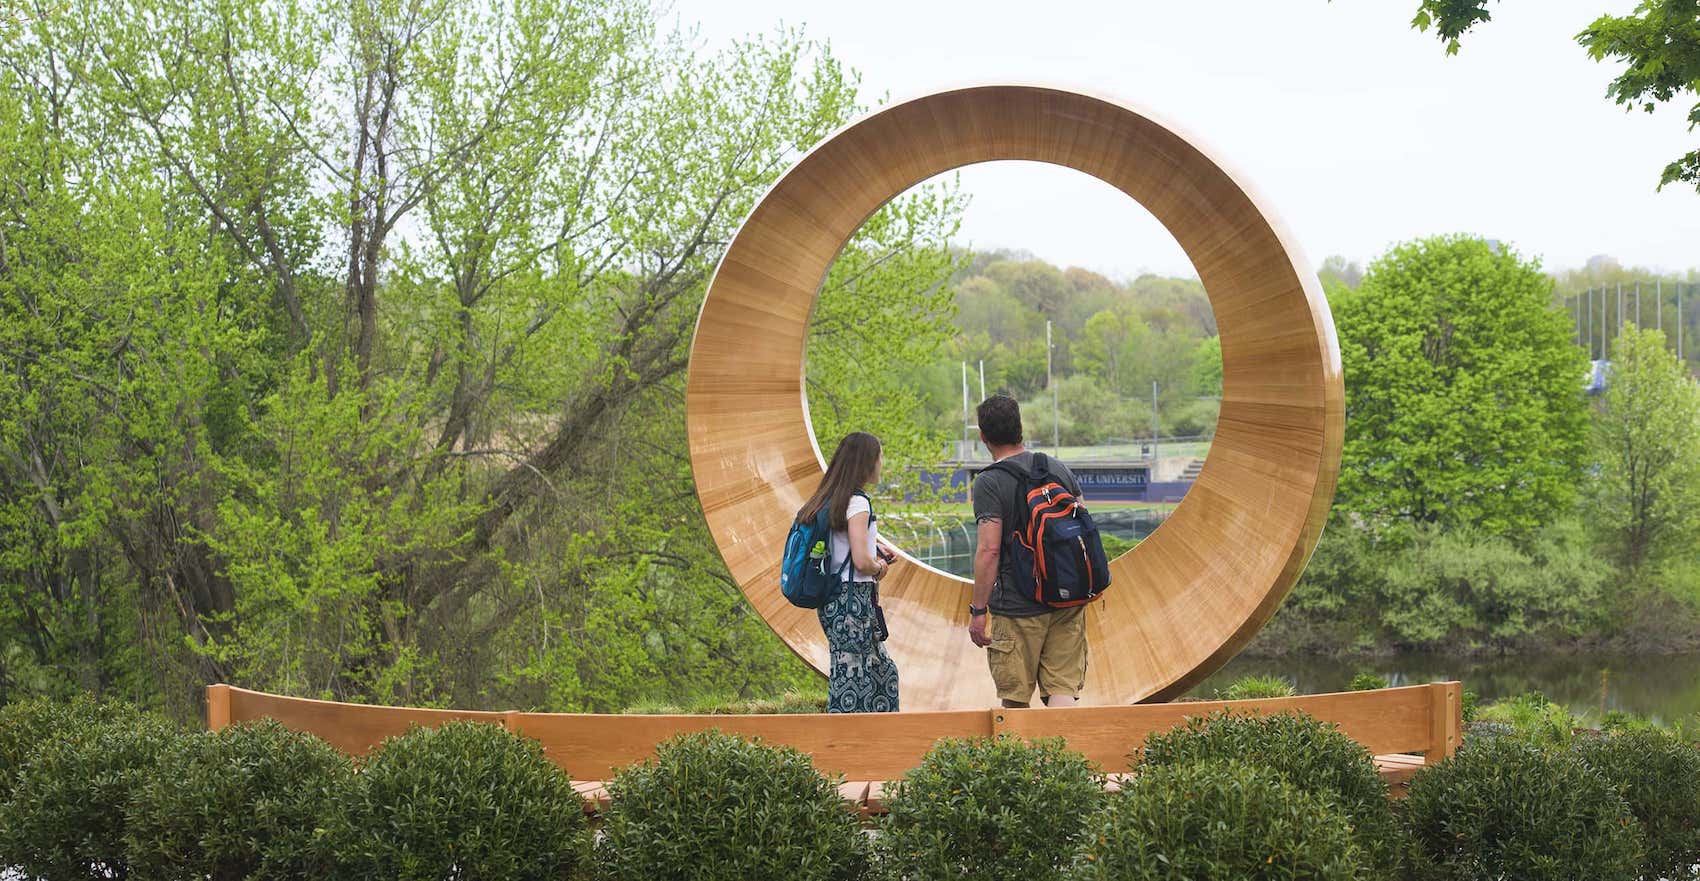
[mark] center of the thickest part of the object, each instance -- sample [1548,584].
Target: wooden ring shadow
[1186,599]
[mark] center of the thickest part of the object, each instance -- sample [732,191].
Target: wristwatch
[975,610]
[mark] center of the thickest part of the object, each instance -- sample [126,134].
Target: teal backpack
[806,576]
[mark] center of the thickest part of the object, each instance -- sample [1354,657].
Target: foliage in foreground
[1311,755]
[989,808]
[1659,776]
[65,819]
[465,800]
[250,801]
[712,807]
[1219,821]
[1502,808]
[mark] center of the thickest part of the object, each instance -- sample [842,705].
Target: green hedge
[1503,808]
[712,807]
[1219,821]
[64,819]
[250,801]
[104,791]
[986,808]
[25,725]
[1313,755]
[1659,776]
[465,800]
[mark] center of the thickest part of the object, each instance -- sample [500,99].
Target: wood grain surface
[868,749]
[1186,599]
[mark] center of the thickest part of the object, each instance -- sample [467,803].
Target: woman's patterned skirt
[863,677]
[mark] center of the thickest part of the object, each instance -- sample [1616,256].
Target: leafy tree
[1207,367]
[1038,285]
[1462,390]
[327,329]
[1646,438]
[884,315]
[1660,43]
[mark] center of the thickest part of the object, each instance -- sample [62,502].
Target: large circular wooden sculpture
[1186,599]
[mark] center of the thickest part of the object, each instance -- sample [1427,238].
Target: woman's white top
[841,540]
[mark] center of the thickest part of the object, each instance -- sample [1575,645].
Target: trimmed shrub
[986,808]
[1250,688]
[1312,755]
[464,800]
[64,819]
[713,807]
[1659,776]
[249,801]
[1503,808]
[1218,821]
[27,724]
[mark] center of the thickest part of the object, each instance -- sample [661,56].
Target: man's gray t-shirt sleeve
[987,495]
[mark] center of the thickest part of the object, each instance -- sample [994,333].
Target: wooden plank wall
[866,747]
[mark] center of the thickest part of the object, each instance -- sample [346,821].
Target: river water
[1665,688]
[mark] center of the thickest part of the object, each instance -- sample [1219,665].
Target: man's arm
[985,576]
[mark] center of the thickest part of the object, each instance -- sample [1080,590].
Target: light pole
[1153,426]
[1056,443]
[964,453]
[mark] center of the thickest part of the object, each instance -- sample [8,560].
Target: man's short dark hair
[1000,420]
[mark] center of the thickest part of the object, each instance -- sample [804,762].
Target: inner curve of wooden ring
[1183,601]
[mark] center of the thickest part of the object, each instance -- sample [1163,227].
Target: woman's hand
[881,568]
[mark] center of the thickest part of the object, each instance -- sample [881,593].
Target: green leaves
[65,818]
[1660,43]
[465,800]
[1462,390]
[250,801]
[713,807]
[1450,19]
[1313,756]
[1659,776]
[341,346]
[989,808]
[1218,820]
[1502,808]
[1645,500]
[885,314]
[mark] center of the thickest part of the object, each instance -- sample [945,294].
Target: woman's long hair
[852,465]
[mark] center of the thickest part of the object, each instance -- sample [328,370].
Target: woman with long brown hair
[863,678]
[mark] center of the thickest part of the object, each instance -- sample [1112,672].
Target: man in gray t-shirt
[998,496]
[1027,642]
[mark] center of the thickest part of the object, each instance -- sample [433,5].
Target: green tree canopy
[342,344]
[1645,499]
[1463,390]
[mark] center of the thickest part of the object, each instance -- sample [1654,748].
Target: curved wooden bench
[1402,727]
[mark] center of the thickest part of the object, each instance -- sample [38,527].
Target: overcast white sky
[1359,131]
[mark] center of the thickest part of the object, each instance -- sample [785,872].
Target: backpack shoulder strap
[1008,467]
[872,518]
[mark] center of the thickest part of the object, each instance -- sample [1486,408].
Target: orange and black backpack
[1056,555]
